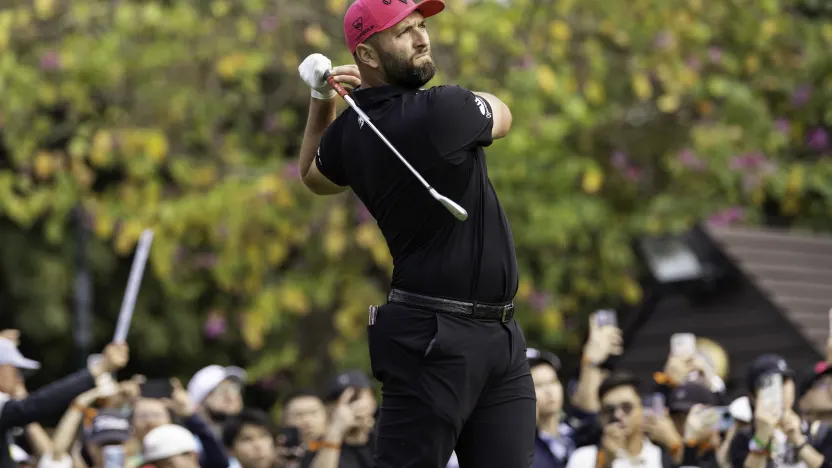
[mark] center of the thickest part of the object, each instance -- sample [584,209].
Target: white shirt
[587,457]
[453,462]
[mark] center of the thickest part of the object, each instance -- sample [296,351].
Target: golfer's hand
[312,71]
[11,335]
[116,356]
[347,75]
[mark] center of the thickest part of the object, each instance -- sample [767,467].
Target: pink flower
[783,126]
[715,54]
[818,139]
[540,300]
[50,60]
[801,95]
[634,173]
[620,160]
[726,217]
[268,23]
[690,160]
[749,161]
[215,326]
[693,63]
[291,171]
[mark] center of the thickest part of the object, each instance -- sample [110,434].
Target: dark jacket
[212,453]
[818,435]
[50,400]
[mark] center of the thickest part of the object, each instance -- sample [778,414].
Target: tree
[630,117]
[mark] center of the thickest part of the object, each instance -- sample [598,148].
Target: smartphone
[157,388]
[606,317]
[770,391]
[657,403]
[683,344]
[114,456]
[290,437]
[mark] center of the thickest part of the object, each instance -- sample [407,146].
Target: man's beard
[403,73]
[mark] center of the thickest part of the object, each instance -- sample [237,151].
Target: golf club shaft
[343,93]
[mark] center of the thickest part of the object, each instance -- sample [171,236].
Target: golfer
[446,347]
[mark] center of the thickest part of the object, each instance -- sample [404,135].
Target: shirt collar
[379,93]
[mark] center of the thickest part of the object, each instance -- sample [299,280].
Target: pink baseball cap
[367,17]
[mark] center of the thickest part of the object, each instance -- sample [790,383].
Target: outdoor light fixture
[671,260]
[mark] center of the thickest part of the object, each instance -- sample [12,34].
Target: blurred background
[670,159]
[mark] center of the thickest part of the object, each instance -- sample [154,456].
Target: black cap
[812,375]
[344,380]
[685,396]
[764,365]
[536,356]
[109,427]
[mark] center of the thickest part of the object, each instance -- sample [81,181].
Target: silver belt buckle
[506,308]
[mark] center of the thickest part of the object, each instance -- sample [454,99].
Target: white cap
[47,461]
[9,354]
[741,409]
[167,441]
[209,378]
[19,455]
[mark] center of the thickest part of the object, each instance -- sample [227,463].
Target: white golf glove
[312,71]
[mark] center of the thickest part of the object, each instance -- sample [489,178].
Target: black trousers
[451,383]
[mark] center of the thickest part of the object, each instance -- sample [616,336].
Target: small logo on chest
[360,122]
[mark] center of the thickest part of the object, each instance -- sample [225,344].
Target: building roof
[793,270]
[776,302]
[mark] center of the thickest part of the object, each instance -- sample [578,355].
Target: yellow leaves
[220,8]
[594,92]
[6,20]
[468,43]
[524,288]
[552,319]
[315,36]
[254,324]
[669,103]
[293,299]
[127,237]
[44,165]
[630,290]
[246,29]
[546,79]
[156,145]
[593,180]
[366,235]
[560,30]
[228,66]
[827,32]
[752,64]
[335,242]
[102,145]
[642,87]
[103,225]
[44,9]
[336,7]
[796,179]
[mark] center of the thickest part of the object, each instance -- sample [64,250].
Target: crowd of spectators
[605,417]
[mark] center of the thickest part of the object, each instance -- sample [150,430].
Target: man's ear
[366,54]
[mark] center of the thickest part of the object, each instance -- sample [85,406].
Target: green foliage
[630,116]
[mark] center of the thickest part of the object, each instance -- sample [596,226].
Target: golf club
[456,210]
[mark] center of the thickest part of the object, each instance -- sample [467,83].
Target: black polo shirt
[441,131]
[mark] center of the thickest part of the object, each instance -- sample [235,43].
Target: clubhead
[456,210]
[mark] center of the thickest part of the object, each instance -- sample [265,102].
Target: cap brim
[236,372]
[27,364]
[427,8]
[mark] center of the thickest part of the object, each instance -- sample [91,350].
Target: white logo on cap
[343,379]
[361,122]
[483,108]
[781,364]
[681,394]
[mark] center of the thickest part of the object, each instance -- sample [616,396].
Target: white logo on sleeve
[483,108]
[360,122]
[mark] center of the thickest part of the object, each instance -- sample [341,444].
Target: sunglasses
[609,411]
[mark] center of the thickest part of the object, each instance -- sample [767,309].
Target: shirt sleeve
[738,451]
[457,119]
[329,158]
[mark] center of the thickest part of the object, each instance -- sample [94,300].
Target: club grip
[335,85]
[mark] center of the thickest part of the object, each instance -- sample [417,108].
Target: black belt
[474,310]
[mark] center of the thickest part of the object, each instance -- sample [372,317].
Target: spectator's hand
[11,335]
[20,391]
[343,418]
[678,368]
[700,424]
[613,440]
[86,399]
[179,402]
[602,343]
[791,427]
[766,417]
[660,428]
[131,390]
[115,358]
